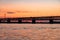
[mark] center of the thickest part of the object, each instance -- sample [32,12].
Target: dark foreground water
[29,31]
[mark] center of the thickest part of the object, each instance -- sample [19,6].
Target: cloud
[10,12]
[23,11]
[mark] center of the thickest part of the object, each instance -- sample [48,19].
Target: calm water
[29,26]
[29,31]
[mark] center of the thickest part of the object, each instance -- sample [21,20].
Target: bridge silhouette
[47,19]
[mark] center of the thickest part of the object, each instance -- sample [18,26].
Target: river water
[29,31]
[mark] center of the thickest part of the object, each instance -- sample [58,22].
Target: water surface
[29,31]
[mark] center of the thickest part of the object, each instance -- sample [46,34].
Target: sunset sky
[29,8]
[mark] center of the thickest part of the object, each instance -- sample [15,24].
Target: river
[29,31]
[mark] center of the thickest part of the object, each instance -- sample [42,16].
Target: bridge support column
[51,21]
[19,20]
[33,21]
[8,20]
[0,21]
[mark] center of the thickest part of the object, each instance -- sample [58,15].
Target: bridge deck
[31,20]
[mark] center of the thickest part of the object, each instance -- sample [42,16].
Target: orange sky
[29,8]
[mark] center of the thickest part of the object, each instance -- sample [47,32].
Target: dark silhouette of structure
[49,19]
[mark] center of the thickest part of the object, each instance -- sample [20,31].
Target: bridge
[47,19]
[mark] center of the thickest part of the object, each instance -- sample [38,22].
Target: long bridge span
[50,19]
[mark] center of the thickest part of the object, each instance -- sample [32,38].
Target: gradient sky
[29,8]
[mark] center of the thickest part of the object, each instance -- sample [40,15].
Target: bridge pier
[33,21]
[8,20]
[51,21]
[19,20]
[0,20]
